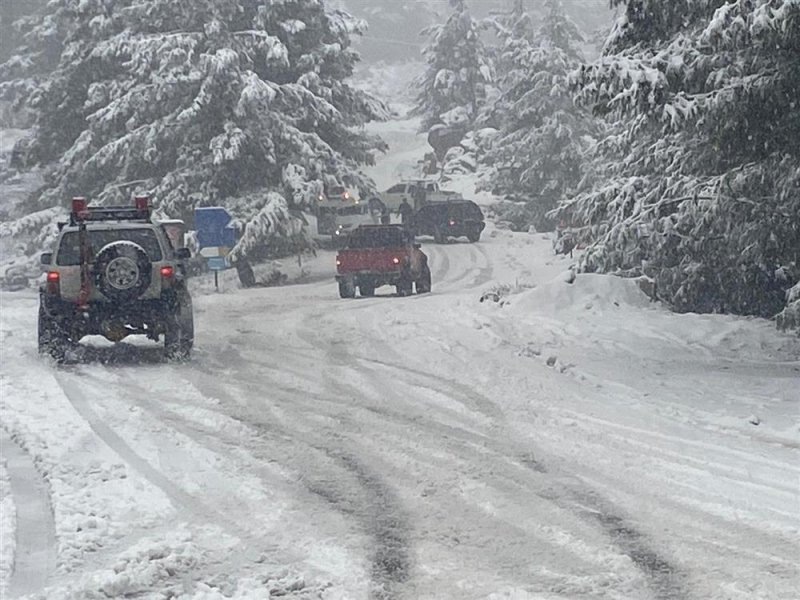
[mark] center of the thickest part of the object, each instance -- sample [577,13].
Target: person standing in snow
[405,211]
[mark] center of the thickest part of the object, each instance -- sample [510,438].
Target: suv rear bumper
[139,317]
[375,278]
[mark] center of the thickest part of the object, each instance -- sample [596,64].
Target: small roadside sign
[215,236]
[214,251]
[217,263]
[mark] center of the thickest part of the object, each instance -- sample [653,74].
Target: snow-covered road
[572,441]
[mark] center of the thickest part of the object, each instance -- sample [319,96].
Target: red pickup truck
[377,255]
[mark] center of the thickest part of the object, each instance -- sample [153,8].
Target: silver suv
[114,272]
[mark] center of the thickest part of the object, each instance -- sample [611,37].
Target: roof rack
[83,213]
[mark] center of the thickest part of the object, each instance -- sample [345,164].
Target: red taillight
[167,271]
[141,203]
[396,260]
[452,222]
[53,279]
[338,263]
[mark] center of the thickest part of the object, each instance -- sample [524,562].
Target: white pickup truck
[418,193]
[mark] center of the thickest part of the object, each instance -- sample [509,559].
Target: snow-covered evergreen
[700,175]
[243,104]
[454,85]
[536,160]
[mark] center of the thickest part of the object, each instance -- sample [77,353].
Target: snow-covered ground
[572,440]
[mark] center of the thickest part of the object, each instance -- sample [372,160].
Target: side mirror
[46,258]
[183,253]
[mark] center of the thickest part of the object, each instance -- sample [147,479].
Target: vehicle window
[396,189]
[473,211]
[376,238]
[431,187]
[69,253]
[354,209]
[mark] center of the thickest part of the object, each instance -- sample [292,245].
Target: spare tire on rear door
[122,270]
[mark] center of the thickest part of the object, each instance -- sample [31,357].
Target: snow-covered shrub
[789,317]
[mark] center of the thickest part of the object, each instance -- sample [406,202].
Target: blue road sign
[213,227]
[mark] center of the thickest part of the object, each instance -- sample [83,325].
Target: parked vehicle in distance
[377,255]
[417,193]
[347,218]
[454,218]
[114,272]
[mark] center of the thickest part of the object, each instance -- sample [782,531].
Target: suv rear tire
[473,235]
[366,289]
[52,339]
[179,334]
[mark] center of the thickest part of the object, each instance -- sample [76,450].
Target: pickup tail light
[338,262]
[167,271]
[53,282]
[452,221]
[396,260]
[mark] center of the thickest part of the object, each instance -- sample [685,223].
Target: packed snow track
[570,441]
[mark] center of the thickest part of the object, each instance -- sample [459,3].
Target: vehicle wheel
[405,287]
[438,236]
[179,334]
[474,235]
[424,282]
[366,289]
[122,270]
[347,288]
[52,339]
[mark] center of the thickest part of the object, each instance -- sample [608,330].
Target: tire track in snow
[179,497]
[667,581]
[374,506]
[485,272]
[35,555]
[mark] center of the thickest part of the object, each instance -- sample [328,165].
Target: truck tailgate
[370,259]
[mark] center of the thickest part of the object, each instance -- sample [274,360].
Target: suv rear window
[376,238]
[353,209]
[69,252]
[465,210]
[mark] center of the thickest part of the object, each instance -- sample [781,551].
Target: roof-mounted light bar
[82,212]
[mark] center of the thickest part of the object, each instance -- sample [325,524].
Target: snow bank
[590,293]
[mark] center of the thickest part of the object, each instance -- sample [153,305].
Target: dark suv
[453,218]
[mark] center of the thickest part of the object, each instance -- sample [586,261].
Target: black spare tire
[122,270]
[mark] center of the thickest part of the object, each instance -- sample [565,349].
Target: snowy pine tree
[702,171]
[535,161]
[237,103]
[453,87]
